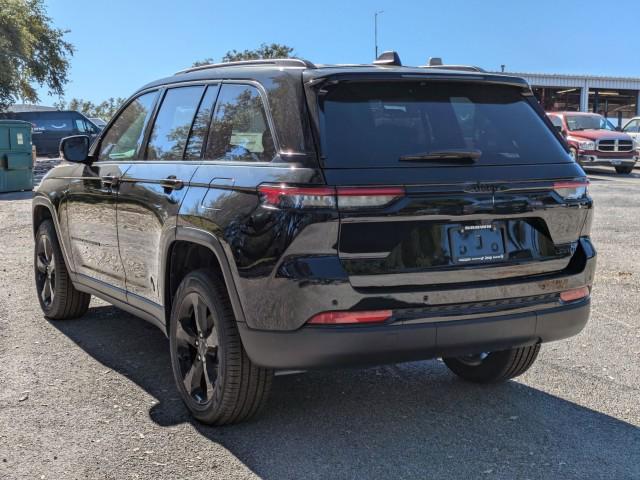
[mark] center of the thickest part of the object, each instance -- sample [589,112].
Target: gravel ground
[94,397]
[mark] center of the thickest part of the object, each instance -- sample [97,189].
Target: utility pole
[375,29]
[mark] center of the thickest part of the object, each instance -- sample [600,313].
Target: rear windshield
[380,124]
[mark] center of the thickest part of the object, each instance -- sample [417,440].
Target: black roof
[257,69]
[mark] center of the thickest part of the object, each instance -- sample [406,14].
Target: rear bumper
[326,346]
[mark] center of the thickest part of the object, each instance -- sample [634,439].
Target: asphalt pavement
[94,397]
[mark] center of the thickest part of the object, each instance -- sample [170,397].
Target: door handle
[171,183]
[110,181]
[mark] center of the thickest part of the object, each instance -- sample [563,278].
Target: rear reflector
[341,318]
[574,294]
[571,190]
[284,196]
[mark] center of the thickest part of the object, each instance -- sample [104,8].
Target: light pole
[375,29]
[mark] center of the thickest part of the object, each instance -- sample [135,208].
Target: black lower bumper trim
[322,346]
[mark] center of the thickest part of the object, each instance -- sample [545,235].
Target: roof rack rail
[284,62]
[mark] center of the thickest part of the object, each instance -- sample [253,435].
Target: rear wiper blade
[456,156]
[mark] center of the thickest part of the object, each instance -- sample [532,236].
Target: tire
[215,378]
[495,366]
[58,298]
[624,170]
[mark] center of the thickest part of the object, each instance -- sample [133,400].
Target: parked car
[272,215]
[51,126]
[98,122]
[593,140]
[632,128]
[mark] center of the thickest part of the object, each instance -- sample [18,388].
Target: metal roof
[574,80]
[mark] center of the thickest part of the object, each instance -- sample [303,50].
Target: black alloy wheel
[197,348]
[45,270]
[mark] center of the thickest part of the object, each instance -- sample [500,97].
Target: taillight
[363,197]
[284,196]
[571,190]
[574,294]
[342,318]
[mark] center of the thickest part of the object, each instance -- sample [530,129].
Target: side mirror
[618,129]
[75,149]
[560,130]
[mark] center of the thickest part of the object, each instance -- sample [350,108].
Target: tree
[274,50]
[104,110]
[32,52]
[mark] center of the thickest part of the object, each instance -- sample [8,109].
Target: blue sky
[122,44]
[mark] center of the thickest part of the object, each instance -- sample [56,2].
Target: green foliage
[32,52]
[104,110]
[274,50]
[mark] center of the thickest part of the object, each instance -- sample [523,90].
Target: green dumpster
[16,162]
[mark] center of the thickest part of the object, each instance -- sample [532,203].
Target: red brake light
[574,294]
[572,190]
[341,318]
[284,196]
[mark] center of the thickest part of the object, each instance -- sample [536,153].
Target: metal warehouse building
[617,98]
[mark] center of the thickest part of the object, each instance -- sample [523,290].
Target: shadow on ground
[404,421]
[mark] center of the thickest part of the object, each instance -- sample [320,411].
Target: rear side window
[124,137]
[171,127]
[239,130]
[201,124]
[374,124]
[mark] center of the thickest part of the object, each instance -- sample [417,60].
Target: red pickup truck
[593,140]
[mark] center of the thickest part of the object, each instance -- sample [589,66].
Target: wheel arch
[42,209]
[191,249]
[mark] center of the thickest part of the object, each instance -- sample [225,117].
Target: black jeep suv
[276,215]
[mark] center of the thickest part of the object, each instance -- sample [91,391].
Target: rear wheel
[493,366]
[216,379]
[58,297]
[624,170]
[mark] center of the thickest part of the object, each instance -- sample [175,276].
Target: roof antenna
[435,62]
[390,58]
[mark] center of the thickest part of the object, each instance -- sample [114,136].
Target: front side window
[633,126]
[239,130]
[173,122]
[557,121]
[124,137]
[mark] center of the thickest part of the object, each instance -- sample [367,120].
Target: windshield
[404,123]
[588,122]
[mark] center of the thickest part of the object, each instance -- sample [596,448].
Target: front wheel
[624,170]
[216,379]
[58,298]
[493,367]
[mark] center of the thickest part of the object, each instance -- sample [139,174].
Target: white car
[632,128]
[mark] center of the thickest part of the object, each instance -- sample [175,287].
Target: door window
[633,127]
[124,137]
[239,131]
[201,125]
[173,122]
